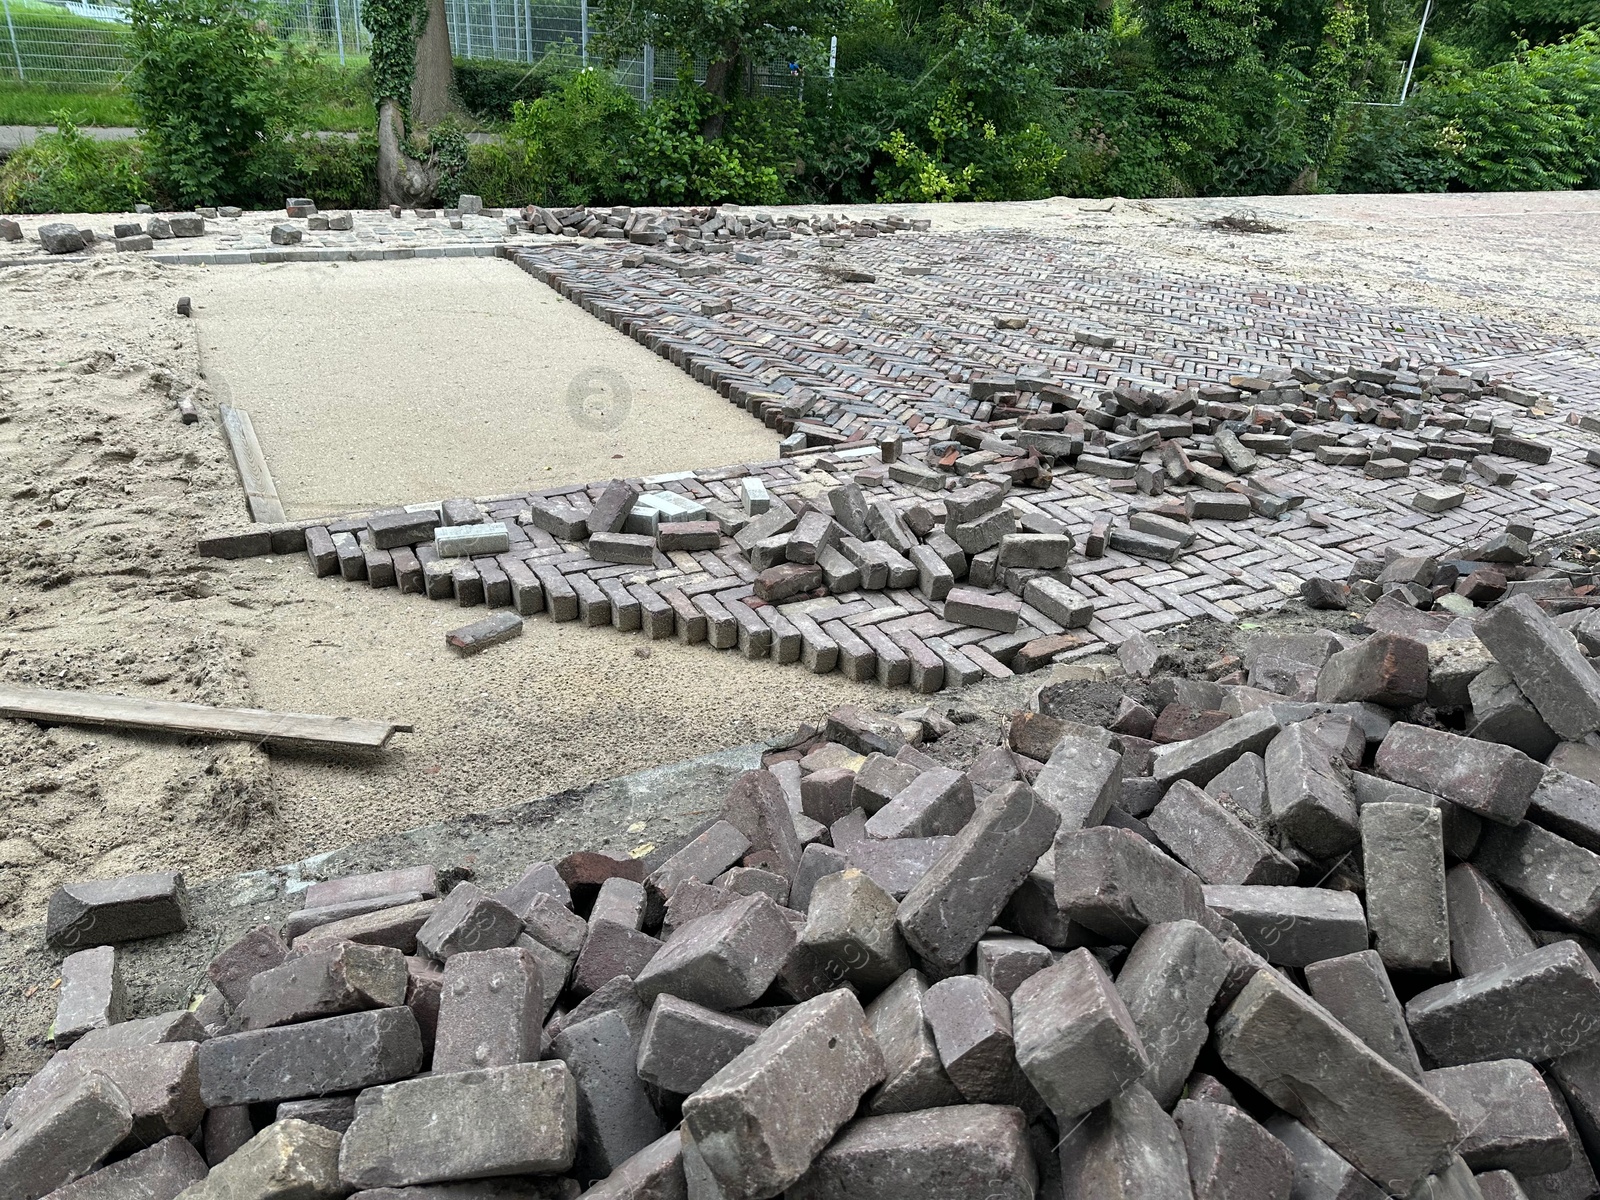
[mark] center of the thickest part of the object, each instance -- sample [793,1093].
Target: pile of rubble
[700,228]
[1290,936]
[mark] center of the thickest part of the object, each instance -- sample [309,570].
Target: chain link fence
[72,44]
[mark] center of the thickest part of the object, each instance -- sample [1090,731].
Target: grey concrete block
[1555,875]
[1501,713]
[615,1116]
[91,994]
[937,802]
[104,912]
[1292,1051]
[1230,1156]
[1075,1038]
[1355,988]
[967,1151]
[1005,960]
[397,927]
[335,1054]
[760,1122]
[1385,669]
[490,1010]
[1494,781]
[63,1138]
[1539,1006]
[1499,1185]
[159,1172]
[1114,882]
[1201,759]
[539,879]
[851,921]
[757,807]
[972,1030]
[1309,794]
[179,1026]
[1292,927]
[1097,1153]
[552,923]
[621,901]
[323,983]
[1168,983]
[1081,781]
[1213,842]
[1568,805]
[1506,1112]
[950,907]
[520,1119]
[686,1044]
[1319,1172]
[915,1077]
[1244,782]
[725,960]
[161,1084]
[654,1173]
[1403,857]
[611,950]
[1485,931]
[467,919]
[1546,663]
[288,1160]
[701,860]
[331,1112]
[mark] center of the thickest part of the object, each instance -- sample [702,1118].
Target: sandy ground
[385,383]
[102,492]
[1531,255]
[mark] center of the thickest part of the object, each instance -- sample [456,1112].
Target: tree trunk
[718,73]
[401,179]
[431,87]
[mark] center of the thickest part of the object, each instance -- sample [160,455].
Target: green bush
[216,102]
[66,171]
[669,161]
[573,138]
[489,88]
[1531,123]
[502,178]
[336,172]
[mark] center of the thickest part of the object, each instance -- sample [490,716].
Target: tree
[398,27]
[733,38]
[435,74]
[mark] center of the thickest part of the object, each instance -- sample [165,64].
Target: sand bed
[379,383]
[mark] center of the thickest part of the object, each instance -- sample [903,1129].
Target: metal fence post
[338,30]
[649,70]
[494,30]
[583,30]
[15,49]
[466,24]
[527,27]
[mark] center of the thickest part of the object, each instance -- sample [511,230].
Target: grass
[23,105]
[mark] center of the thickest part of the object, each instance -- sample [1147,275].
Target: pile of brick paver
[1321,931]
[1020,535]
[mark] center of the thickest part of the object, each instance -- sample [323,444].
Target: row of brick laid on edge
[932,573]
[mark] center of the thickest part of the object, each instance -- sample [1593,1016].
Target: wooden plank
[250,724]
[259,490]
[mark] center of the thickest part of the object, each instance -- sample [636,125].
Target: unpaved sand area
[374,383]
[104,492]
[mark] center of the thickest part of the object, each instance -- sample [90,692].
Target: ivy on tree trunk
[396,26]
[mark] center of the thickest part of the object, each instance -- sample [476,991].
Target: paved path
[1184,304]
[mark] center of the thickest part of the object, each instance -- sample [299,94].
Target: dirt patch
[1243,223]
